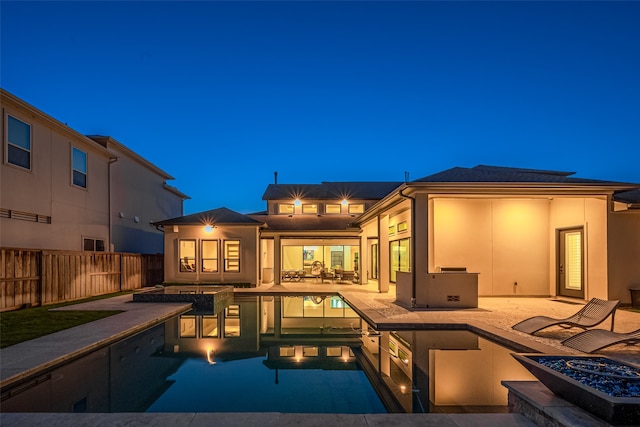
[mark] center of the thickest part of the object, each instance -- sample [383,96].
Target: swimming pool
[305,354]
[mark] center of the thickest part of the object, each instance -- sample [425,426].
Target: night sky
[222,94]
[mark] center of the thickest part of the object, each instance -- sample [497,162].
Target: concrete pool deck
[494,316]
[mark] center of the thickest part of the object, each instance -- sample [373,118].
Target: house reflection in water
[411,371]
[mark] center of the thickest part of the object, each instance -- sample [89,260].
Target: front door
[570,263]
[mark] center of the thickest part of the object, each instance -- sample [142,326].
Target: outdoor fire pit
[604,387]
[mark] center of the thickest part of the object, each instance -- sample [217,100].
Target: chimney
[275,177]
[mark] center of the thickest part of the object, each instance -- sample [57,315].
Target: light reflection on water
[278,354]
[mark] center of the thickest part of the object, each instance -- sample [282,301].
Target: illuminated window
[232,255]
[310,209]
[79,168]
[187,256]
[332,209]
[209,256]
[286,208]
[392,230]
[399,257]
[310,351]
[356,209]
[402,226]
[18,143]
[187,326]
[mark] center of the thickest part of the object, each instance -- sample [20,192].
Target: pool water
[297,354]
[250,386]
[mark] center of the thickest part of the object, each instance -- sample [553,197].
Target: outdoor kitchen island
[445,289]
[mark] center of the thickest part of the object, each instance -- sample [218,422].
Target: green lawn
[29,323]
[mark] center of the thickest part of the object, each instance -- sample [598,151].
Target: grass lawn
[29,323]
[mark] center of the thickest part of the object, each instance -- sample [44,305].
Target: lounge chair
[596,339]
[593,313]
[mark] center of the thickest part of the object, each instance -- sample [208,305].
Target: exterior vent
[453,298]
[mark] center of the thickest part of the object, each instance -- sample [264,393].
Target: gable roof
[330,190]
[219,216]
[484,173]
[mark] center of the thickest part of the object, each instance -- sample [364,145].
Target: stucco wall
[504,240]
[47,188]
[624,254]
[591,214]
[138,192]
[249,250]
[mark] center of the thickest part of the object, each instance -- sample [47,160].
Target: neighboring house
[140,196]
[521,232]
[58,187]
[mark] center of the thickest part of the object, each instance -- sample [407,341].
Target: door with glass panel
[570,263]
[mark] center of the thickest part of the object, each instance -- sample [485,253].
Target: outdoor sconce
[297,202]
[208,228]
[344,202]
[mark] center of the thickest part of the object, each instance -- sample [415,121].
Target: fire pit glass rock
[607,388]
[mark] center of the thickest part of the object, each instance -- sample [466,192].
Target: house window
[310,209]
[210,326]
[402,226]
[392,230]
[209,256]
[79,168]
[332,208]
[232,255]
[187,255]
[18,143]
[286,208]
[356,209]
[90,244]
[399,257]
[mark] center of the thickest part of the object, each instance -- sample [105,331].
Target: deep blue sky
[222,94]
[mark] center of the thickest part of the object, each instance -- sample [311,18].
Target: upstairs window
[286,208]
[356,209]
[332,208]
[310,209]
[18,143]
[79,168]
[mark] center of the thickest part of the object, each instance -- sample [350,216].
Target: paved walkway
[494,316]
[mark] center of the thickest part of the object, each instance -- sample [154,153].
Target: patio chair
[593,313]
[596,339]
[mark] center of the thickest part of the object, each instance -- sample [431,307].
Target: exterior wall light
[344,202]
[297,202]
[208,228]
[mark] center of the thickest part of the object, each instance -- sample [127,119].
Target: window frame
[203,258]
[182,267]
[94,241]
[227,258]
[328,206]
[310,208]
[74,170]
[8,143]
[286,208]
[356,208]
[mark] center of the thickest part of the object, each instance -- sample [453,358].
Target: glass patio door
[570,263]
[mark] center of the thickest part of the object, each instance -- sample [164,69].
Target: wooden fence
[39,277]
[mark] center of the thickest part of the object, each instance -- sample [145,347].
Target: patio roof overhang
[492,190]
